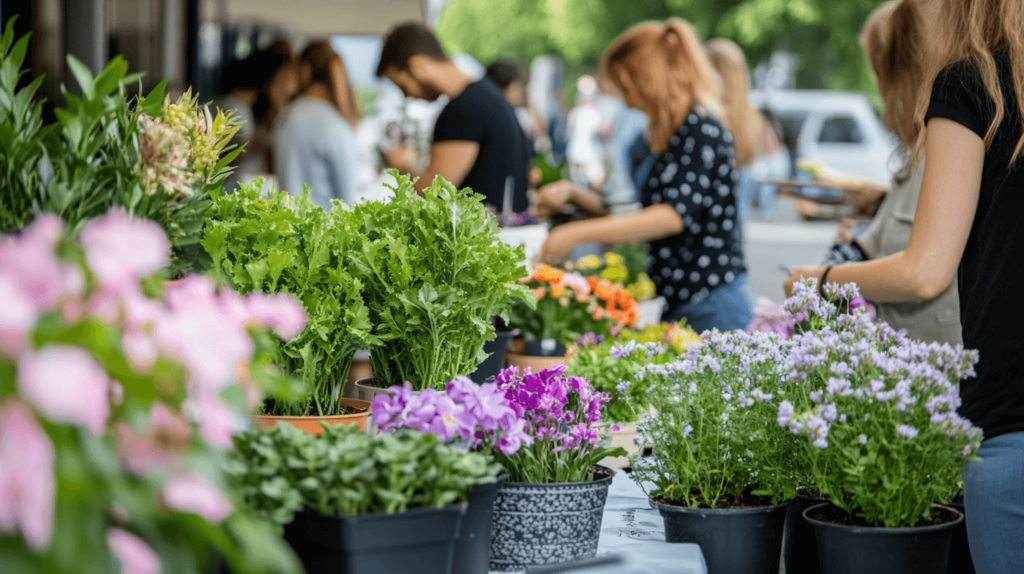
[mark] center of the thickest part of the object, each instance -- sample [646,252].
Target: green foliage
[433,274]
[821,33]
[92,158]
[288,244]
[345,472]
[550,173]
[606,372]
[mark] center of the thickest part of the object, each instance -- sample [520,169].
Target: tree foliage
[823,34]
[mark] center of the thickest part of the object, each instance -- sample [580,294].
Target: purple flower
[785,413]
[862,439]
[907,431]
[622,387]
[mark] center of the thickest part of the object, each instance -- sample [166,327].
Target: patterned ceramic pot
[537,524]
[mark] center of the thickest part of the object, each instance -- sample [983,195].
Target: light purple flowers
[907,431]
[785,413]
[862,439]
[467,411]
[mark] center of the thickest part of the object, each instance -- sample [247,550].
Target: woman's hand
[559,244]
[799,274]
[553,196]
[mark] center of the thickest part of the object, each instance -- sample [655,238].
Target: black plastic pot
[799,545]
[747,540]
[495,360]
[420,541]
[545,348]
[473,548]
[960,561]
[541,524]
[864,550]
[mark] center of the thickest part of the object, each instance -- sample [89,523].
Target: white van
[838,129]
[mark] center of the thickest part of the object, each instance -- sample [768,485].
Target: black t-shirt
[481,114]
[697,177]
[991,275]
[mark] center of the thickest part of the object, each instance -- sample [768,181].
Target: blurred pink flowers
[282,313]
[27,486]
[190,493]
[160,447]
[66,385]
[120,249]
[136,556]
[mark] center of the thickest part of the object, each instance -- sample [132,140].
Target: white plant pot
[529,236]
[622,437]
[650,312]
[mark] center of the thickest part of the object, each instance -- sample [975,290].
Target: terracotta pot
[536,364]
[311,425]
[622,437]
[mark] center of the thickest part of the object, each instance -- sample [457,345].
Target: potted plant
[626,267]
[355,503]
[722,468]
[477,417]
[549,510]
[285,243]
[433,274]
[881,439]
[118,398]
[155,158]
[568,306]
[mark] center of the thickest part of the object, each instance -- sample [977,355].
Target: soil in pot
[495,361]
[848,545]
[356,411]
[960,561]
[420,541]
[741,535]
[539,524]
[472,549]
[799,545]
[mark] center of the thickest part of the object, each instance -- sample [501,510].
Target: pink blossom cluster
[561,413]
[478,413]
[203,330]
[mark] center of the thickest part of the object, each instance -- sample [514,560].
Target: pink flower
[192,494]
[17,318]
[207,343]
[45,230]
[158,448]
[217,423]
[34,270]
[66,385]
[140,350]
[27,484]
[283,313]
[121,249]
[136,556]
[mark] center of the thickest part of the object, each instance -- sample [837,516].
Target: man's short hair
[505,73]
[405,41]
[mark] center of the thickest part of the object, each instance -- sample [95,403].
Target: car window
[841,129]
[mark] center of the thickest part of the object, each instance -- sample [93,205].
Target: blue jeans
[727,308]
[994,502]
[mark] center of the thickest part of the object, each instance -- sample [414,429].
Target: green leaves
[345,472]
[434,273]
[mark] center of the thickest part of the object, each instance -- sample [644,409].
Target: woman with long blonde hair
[314,140]
[967,227]
[760,154]
[689,198]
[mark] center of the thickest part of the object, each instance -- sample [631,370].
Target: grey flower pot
[538,524]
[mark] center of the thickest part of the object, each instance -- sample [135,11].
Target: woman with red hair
[689,196]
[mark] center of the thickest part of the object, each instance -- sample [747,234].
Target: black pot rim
[611,475]
[718,511]
[882,529]
[372,515]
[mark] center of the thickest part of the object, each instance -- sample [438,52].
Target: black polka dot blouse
[697,177]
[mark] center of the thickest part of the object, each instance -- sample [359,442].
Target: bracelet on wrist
[823,281]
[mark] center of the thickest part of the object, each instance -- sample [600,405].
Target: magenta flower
[27,483]
[135,556]
[66,385]
[121,249]
[193,494]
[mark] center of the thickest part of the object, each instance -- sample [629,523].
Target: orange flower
[540,292]
[605,290]
[557,290]
[624,299]
[592,282]
[598,314]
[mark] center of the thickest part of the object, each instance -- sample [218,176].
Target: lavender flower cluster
[482,414]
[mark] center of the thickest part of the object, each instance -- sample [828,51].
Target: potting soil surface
[836,515]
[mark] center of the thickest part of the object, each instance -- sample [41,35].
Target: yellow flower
[613,259]
[588,263]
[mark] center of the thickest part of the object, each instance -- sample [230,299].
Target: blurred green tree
[822,34]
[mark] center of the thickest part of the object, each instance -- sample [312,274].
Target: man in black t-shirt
[478,142]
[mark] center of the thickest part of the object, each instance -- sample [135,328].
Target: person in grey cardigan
[896,43]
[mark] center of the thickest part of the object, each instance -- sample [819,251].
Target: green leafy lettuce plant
[287,244]
[433,274]
[346,472]
[155,158]
[715,435]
